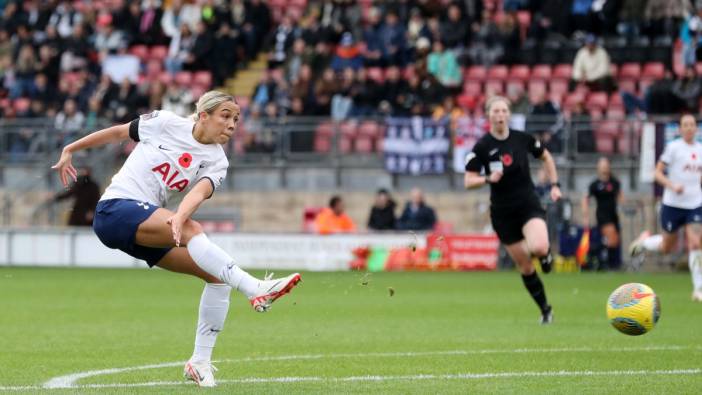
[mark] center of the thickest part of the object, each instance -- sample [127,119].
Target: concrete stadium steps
[245,81]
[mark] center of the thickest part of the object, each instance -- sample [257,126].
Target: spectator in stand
[48,63]
[107,39]
[332,219]
[199,57]
[416,28]
[25,70]
[179,49]
[592,67]
[224,56]
[510,39]
[411,100]
[86,193]
[631,18]
[257,25]
[297,57]
[449,110]
[665,16]
[486,48]
[520,101]
[75,50]
[382,215]
[348,55]
[371,36]
[264,91]
[65,18]
[417,215]
[392,88]
[688,90]
[178,14]
[392,41]
[690,35]
[545,121]
[581,18]
[324,90]
[145,25]
[455,32]
[69,122]
[342,103]
[43,92]
[581,122]
[178,100]
[444,66]
[659,98]
[365,95]
[279,41]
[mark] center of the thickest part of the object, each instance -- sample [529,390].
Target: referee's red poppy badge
[507,159]
[185,160]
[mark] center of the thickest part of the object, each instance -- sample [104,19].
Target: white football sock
[214,305]
[695,262]
[653,243]
[218,263]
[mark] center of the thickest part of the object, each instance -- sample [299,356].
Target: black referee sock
[533,284]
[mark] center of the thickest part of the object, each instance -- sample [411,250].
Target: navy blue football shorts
[116,222]
[672,218]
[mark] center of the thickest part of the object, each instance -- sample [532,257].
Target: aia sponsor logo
[170,178]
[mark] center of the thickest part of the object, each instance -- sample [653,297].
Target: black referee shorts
[606,219]
[509,221]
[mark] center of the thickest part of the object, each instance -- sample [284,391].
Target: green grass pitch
[439,333]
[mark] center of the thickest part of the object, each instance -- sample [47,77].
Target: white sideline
[460,376]
[69,381]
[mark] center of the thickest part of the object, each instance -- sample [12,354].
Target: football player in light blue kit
[178,161]
[682,201]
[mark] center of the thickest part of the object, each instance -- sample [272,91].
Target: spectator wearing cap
[333,219]
[348,55]
[592,66]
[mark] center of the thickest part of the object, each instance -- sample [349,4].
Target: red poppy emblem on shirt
[609,188]
[185,160]
[694,156]
[507,159]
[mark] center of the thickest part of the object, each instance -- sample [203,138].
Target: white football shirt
[166,162]
[684,166]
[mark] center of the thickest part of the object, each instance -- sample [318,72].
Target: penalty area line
[381,378]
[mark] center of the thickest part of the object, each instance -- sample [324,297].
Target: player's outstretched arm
[96,139]
[551,174]
[192,200]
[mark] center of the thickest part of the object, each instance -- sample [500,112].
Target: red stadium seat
[298,3]
[478,73]
[158,52]
[610,128]
[563,71]
[370,129]
[243,101]
[325,129]
[630,70]
[472,87]
[617,113]
[21,105]
[364,144]
[537,86]
[140,51]
[571,100]
[498,72]
[154,67]
[345,144]
[183,78]
[698,68]
[542,71]
[348,129]
[196,91]
[597,100]
[613,70]
[615,100]
[308,217]
[467,102]
[627,85]
[203,79]
[322,144]
[494,87]
[604,144]
[515,84]
[653,70]
[519,72]
[558,86]
[408,72]
[376,74]
[165,77]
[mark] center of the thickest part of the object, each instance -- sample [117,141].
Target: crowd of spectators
[79,60]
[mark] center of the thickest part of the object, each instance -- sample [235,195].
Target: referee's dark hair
[334,201]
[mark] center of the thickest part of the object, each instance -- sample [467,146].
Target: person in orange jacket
[333,219]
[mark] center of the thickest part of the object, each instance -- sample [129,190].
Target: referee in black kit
[516,213]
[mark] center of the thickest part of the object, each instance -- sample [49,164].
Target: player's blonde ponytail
[209,101]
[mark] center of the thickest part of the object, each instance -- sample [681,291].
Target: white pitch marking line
[460,376]
[68,381]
